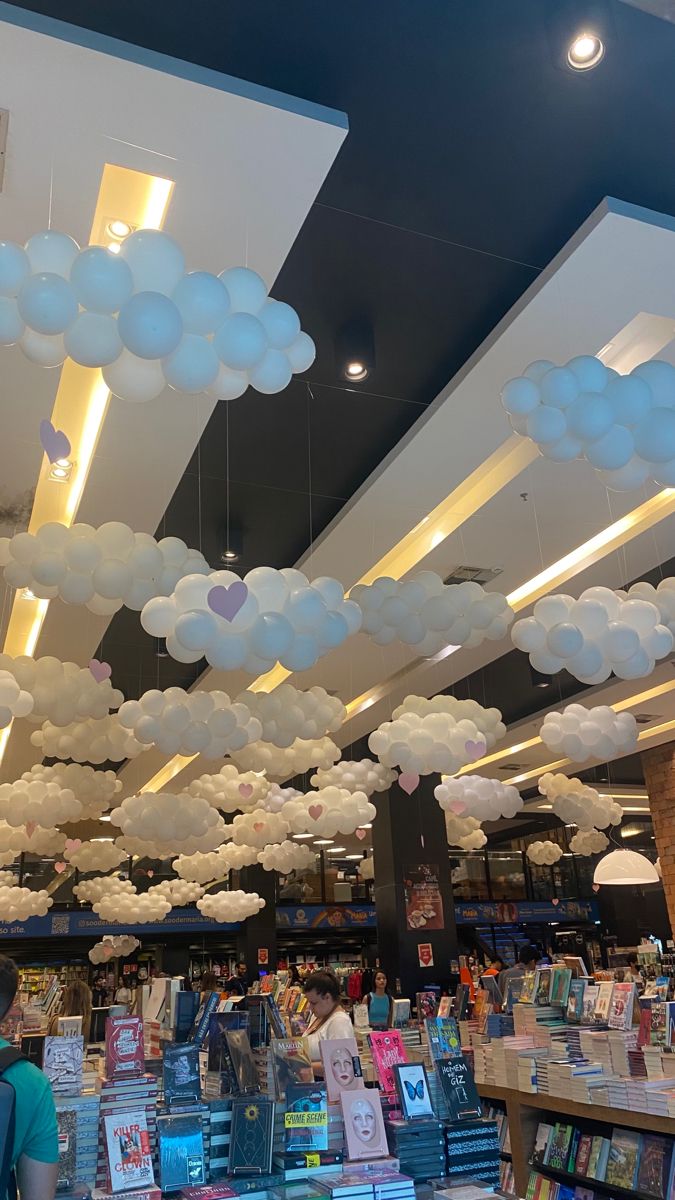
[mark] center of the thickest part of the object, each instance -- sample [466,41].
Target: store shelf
[587,1181]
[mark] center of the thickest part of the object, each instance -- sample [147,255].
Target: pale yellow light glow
[167,773]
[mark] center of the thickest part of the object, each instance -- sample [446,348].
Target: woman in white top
[329,1019]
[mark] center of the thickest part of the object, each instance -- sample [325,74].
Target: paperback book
[66,1121]
[443,1037]
[291,1063]
[364,1126]
[306,1118]
[251,1137]
[341,1066]
[128,1150]
[589,1003]
[462,1001]
[459,1089]
[561,979]
[542,989]
[559,1147]
[200,1027]
[181,1073]
[654,1165]
[575,1001]
[219,1058]
[427,1005]
[181,1151]
[621,1007]
[542,1142]
[528,990]
[62,1063]
[623,1159]
[241,1057]
[124,1048]
[387,1050]
[413,1090]
[604,1000]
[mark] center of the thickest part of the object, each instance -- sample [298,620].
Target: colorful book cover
[443,1037]
[621,1008]
[412,1086]
[604,1000]
[62,1063]
[219,1058]
[444,1006]
[575,1001]
[658,1034]
[542,987]
[200,1028]
[291,1062]
[542,1141]
[528,990]
[387,1049]
[515,988]
[364,1126]
[427,1005]
[558,1152]
[599,1157]
[574,1146]
[623,1159]
[654,1164]
[341,1065]
[583,1154]
[66,1121]
[181,1151]
[124,1048]
[181,1072]
[128,1149]
[645,1026]
[251,1137]
[561,979]
[459,1088]
[306,1117]
[243,1062]
[590,1001]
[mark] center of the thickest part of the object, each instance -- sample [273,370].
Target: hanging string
[199,492]
[536,518]
[310,396]
[227,476]
[659,559]
[51,193]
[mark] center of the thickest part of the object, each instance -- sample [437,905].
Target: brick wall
[659,769]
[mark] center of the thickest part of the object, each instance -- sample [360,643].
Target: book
[219,1058]
[180,1140]
[461,1001]
[341,1066]
[291,1063]
[559,1146]
[66,1121]
[583,1154]
[146,1193]
[574,1146]
[69,1026]
[387,1050]
[645,1026]
[561,979]
[542,987]
[62,1063]
[252,1132]
[515,987]
[597,1163]
[459,1089]
[444,1006]
[364,1126]
[124,1049]
[443,1037]
[427,1005]
[528,990]
[623,1159]
[128,1149]
[604,1000]
[589,1002]
[621,1007]
[11,1025]
[243,1062]
[200,1027]
[210,1191]
[542,1141]
[412,1087]
[575,1001]
[185,1011]
[306,1117]
[658,1027]
[654,1164]
[181,1073]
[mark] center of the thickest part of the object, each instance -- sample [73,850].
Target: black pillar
[408,832]
[260,931]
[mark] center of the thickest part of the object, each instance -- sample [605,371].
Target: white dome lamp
[625,867]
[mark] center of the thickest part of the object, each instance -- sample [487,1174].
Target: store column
[659,771]
[257,940]
[416,932]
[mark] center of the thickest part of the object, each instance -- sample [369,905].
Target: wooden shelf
[588,1181]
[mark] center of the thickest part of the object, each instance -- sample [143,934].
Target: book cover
[412,1087]
[444,1006]
[462,1001]
[575,1001]
[62,1063]
[443,1037]
[604,1000]
[364,1126]
[124,1049]
[621,1007]
[542,988]
[542,1141]
[583,1154]
[291,1062]
[583,1193]
[589,1003]
[341,1066]
[623,1159]
[181,1072]
[128,1150]
[658,1032]
[387,1050]
[574,1146]
[306,1117]
[459,1088]
[181,1151]
[515,988]
[654,1164]
[528,990]
[595,1160]
[251,1136]
[210,1191]
[219,1057]
[66,1121]
[427,1005]
[200,1027]
[645,1026]
[11,1026]
[69,1026]
[561,979]
[185,1011]
[558,1151]
[241,1057]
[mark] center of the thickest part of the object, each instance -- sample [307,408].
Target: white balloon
[11,324]
[42,349]
[246,289]
[134,379]
[51,252]
[228,385]
[193,365]
[301,353]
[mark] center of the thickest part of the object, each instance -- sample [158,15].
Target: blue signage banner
[318,916]
[526,911]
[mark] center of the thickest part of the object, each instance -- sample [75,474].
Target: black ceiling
[472,156]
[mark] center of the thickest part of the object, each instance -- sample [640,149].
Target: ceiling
[464,214]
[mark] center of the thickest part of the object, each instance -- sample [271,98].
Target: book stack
[77,1119]
[499,1025]
[595,1047]
[219,1129]
[356,1185]
[561,1074]
[584,1088]
[636,1062]
[620,1042]
[473,1149]
[151,1042]
[120,1099]
[527,1017]
[418,1145]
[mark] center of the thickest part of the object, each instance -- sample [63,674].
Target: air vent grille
[480,575]
[646,718]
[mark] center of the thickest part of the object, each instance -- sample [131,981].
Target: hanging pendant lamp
[625,867]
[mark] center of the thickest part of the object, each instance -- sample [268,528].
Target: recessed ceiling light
[368,826]
[27,594]
[356,371]
[337,849]
[586,51]
[119,229]
[114,247]
[303,835]
[230,555]
[354,856]
[104,818]
[60,474]
[324,842]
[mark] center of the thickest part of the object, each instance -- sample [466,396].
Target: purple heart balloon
[54,441]
[227,601]
[474,750]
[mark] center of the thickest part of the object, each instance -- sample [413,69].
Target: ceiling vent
[646,718]
[4,122]
[480,575]
[511,767]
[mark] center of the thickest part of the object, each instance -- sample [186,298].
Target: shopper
[237,985]
[75,1002]
[35,1149]
[496,967]
[527,961]
[329,1019]
[294,979]
[380,1003]
[208,984]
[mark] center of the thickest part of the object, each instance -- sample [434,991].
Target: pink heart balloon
[59,867]
[100,670]
[408,780]
[150,874]
[474,750]
[361,833]
[53,441]
[73,843]
[315,811]
[458,807]
[555,903]
[246,790]
[259,826]
[30,828]
[227,601]
[596,887]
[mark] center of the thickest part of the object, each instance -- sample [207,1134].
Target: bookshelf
[524,1111]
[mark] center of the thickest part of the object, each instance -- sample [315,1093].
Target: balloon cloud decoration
[362,776]
[62,692]
[578,804]
[259,829]
[171,823]
[230,906]
[117,946]
[20,903]
[464,832]
[285,857]
[601,633]
[582,733]
[438,735]
[544,854]
[14,702]
[90,891]
[329,811]
[39,803]
[231,790]
[126,908]
[94,856]
[90,741]
[146,321]
[623,425]
[201,868]
[288,713]
[285,764]
[474,796]
[180,722]
[95,790]
[177,891]
[589,841]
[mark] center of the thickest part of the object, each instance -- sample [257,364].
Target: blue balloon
[591,373]
[630,398]
[150,325]
[660,378]
[520,396]
[613,450]
[655,436]
[559,387]
[546,425]
[590,416]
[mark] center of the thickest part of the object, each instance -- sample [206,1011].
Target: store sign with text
[425,954]
[520,911]
[322,916]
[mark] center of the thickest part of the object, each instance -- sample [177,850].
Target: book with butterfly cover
[412,1086]
[387,1050]
[459,1089]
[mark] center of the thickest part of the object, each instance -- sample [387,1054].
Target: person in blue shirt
[35,1153]
[380,1003]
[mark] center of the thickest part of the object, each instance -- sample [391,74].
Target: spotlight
[60,471]
[160,648]
[114,247]
[118,229]
[585,51]
[355,351]
[539,680]
[232,542]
